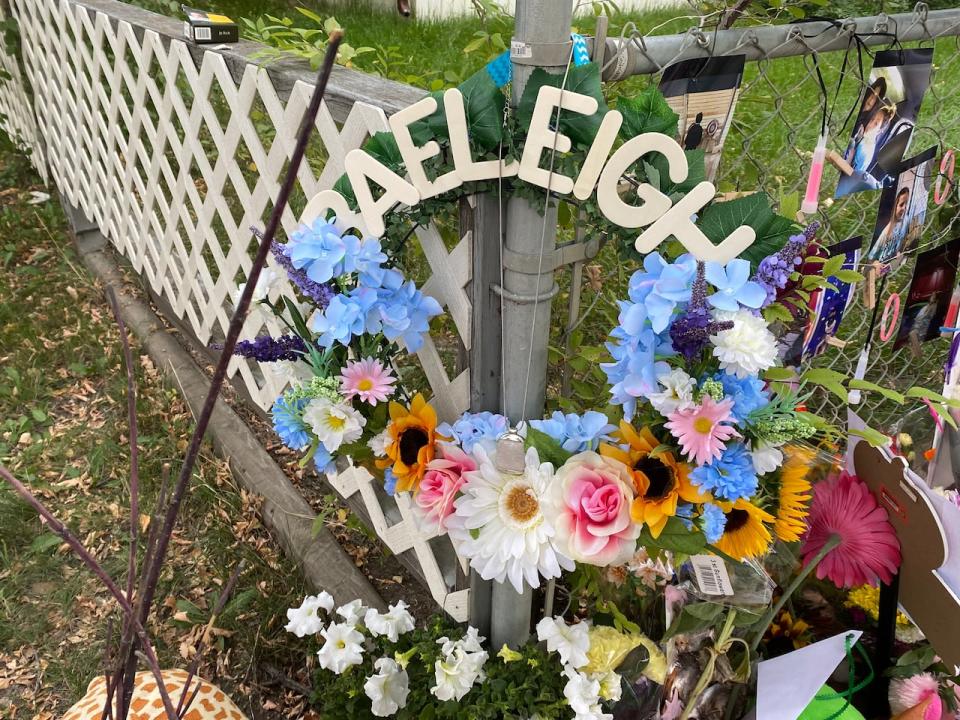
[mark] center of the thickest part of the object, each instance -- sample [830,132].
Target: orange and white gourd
[211,703]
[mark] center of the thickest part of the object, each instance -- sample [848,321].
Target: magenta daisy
[367,379]
[700,429]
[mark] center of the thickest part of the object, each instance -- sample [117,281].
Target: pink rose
[440,485]
[591,495]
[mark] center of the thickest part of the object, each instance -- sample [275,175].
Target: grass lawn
[63,431]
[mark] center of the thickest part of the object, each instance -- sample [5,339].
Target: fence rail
[175,150]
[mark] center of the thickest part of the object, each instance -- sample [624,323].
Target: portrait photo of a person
[902,210]
[929,297]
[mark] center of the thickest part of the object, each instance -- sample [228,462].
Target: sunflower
[411,439]
[744,535]
[659,481]
[786,634]
[795,494]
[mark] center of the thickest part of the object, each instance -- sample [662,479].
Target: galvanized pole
[541,39]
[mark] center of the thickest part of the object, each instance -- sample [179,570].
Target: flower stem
[719,648]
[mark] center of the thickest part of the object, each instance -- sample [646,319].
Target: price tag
[711,574]
[520,49]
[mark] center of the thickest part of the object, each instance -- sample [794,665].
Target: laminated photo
[888,113]
[704,92]
[929,297]
[903,209]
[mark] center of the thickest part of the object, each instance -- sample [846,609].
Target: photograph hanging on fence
[704,93]
[929,297]
[827,308]
[903,209]
[888,113]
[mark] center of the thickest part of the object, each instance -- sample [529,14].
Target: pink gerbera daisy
[868,548]
[700,429]
[367,379]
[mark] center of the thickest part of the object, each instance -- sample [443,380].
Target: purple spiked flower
[268,349]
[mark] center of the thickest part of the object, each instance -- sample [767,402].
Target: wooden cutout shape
[540,137]
[654,204]
[924,594]
[597,155]
[414,156]
[332,200]
[360,166]
[466,167]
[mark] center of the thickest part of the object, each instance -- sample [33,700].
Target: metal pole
[649,55]
[542,31]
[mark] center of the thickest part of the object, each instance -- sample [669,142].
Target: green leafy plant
[286,39]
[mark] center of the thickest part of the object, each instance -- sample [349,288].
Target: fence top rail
[646,55]
[346,87]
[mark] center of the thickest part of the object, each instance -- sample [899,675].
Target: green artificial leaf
[432,127]
[382,146]
[919,392]
[874,437]
[694,617]
[770,238]
[345,188]
[675,537]
[696,174]
[780,374]
[921,658]
[777,312]
[826,378]
[722,218]
[873,387]
[484,103]
[848,276]
[648,112]
[583,79]
[834,265]
[549,449]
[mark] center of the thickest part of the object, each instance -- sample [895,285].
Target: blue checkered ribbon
[500,69]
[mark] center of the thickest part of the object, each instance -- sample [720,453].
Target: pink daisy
[868,549]
[367,379]
[700,430]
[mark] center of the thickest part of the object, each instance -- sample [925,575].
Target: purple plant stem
[134,452]
[155,562]
[80,551]
[195,663]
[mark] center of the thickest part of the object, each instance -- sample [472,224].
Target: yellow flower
[745,534]
[508,655]
[412,438]
[609,648]
[867,598]
[788,629]
[795,494]
[659,481]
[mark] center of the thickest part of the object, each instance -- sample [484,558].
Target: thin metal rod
[649,55]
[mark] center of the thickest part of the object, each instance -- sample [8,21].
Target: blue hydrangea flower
[714,522]
[324,460]
[344,318]
[368,262]
[661,286]
[472,429]
[288,422]
[748,394]
[730,477]
[389,482]
[576,433]
[635,367]
[734,286]
[319,249]
[401,311]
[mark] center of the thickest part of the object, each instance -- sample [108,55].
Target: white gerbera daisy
[499,524]
[333,423]
[388,689]
[305,620]
[677,393]
[748,347]
[343,647]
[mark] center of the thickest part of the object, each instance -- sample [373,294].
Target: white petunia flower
[571,641]
[499,523]
[748,347]
[766,458]
[305,620]
[333,423]
[393,623]
[459,668]
[677,393]
[352,613]
[378,443]
[388,689]
[343,647]
[583,696]
[269,278]
[611,687]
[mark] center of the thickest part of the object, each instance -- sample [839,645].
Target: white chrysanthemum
[499,524]
[305,620]
[677,392]
[343,647]
[583,696]
[352,613]
[388,689]
[459,668]
[748,347]
[393,623]
[571,641]
[333,423]
[611,687]
[378,443]
[766,458]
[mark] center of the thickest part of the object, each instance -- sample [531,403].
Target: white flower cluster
[461,666]
[344,644]
[583,691]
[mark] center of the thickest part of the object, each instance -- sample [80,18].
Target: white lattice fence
[175,153]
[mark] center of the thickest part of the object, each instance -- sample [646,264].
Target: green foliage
[547,448]
[583,79]
[284,38]
[676,537]
[531,686]
[647,112]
